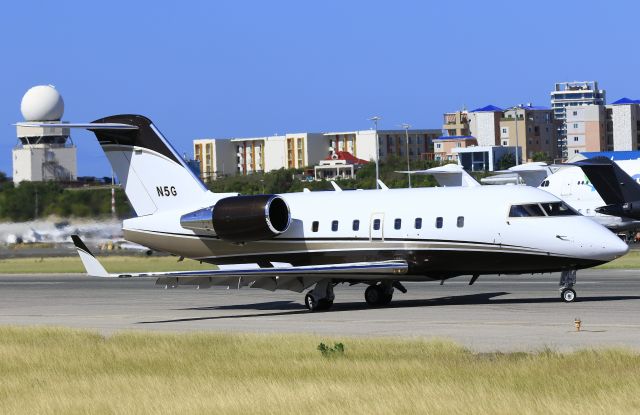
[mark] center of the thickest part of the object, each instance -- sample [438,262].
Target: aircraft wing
[449,175]
[280,275]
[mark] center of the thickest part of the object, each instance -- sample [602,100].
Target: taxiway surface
[496,313]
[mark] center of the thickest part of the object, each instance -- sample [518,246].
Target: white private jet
[315,240]
[567,182]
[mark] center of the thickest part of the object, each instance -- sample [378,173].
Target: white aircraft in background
[315,240]
[567,182]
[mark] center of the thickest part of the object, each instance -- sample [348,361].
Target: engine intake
[242,218]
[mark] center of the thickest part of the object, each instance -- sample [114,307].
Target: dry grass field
[62,371]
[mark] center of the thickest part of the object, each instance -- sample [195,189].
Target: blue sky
[243,68]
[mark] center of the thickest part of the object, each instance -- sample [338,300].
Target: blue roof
[455,137]
[626,100]
[488,108]
[613,155]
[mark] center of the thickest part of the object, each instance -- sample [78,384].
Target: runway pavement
[496,313]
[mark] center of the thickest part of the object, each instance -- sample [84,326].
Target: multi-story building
[215,157]
[567,95]
[586,129]
[456,123]
[444,146]
[532,128]
[305,149]
[625,124]
[391,143]
[258,154]
[484,125]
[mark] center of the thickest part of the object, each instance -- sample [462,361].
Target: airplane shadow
[288,308]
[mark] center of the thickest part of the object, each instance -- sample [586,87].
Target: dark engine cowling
[627,210]
[242,218]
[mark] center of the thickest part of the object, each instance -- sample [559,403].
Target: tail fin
[613,184]
[93,267]
[152,173]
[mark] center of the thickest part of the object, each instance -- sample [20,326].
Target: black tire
[568,295]
[311,303]
[373,295]
[324,304]
[386,299]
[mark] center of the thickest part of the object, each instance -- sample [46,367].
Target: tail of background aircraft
[619,191]
[152,173]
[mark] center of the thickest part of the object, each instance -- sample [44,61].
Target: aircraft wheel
[314,304]
[568,295]
[375,296]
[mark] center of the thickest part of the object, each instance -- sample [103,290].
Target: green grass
[63,265]
[62,371]
[629,261]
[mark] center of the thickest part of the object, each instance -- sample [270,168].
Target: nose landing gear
[567,281]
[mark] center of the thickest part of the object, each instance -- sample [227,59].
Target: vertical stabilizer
[153,175]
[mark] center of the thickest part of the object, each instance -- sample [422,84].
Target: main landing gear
[567,281]
[321,297]
[379,295]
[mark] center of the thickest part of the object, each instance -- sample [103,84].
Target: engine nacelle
[241,218]
[626,210]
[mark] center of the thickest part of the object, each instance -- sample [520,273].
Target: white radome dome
[42,103]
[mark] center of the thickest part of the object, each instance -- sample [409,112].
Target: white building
[484,125]
[43,153]
[625,119]
[258,154]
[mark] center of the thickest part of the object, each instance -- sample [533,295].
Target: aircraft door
[376,227]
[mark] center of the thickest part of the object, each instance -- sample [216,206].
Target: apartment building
[444,146]
[456,123]
[530,127]
[586,129]
[484,125]
[305,149]
[215,157]
[362,144]
[567,95]
[625,124]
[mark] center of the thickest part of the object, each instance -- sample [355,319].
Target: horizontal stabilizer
[86,126]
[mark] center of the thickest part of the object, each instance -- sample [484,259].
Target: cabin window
[439,222]
[376,224]
[460,221]
[314,226]
[525,211]
[397,224]
[334,225]
[356,225]
[558,209]
[418,224]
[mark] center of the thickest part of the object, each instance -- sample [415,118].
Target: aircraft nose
[612,246]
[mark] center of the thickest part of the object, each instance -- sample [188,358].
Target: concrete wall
[625,127]
[485,127]
[41,162]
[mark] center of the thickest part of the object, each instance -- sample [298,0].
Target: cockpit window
[524,211]
[558,209]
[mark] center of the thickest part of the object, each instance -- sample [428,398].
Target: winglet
[382,185]
[335,186]
[93,267]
